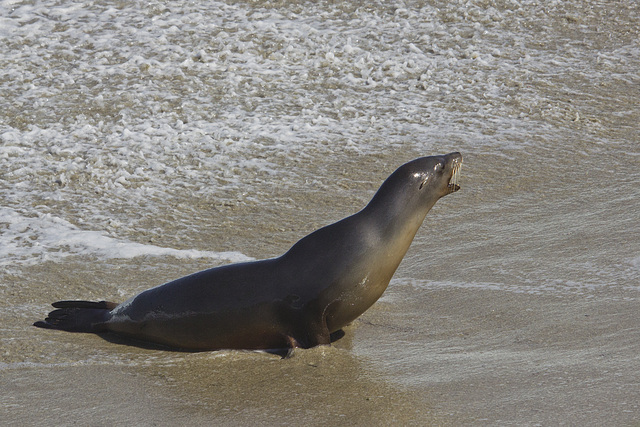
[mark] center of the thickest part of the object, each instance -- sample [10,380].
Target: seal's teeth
[453,182]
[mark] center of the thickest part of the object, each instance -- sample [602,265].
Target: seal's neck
[396,224]
[396,218]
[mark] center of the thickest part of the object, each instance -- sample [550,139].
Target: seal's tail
[78,316]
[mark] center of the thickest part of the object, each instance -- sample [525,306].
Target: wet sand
[517,359]
[480,357]
[319,387]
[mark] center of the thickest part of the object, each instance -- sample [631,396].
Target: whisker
[453,181]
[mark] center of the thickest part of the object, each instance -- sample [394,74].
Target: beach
[143,142]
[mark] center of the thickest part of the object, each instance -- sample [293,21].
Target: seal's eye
[439,167]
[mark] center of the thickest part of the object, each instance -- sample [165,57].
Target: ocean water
[141,141]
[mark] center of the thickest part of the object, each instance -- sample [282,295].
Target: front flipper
[305,342]
[310,334]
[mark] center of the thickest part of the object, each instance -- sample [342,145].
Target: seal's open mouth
[453,181]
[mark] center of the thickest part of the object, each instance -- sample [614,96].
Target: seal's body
[325,281]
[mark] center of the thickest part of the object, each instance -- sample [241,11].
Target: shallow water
[143,141]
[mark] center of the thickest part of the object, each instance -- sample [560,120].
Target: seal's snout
[456,164]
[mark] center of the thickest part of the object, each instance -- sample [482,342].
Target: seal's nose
[455,158]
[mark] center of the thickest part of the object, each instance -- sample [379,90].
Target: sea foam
[45,237]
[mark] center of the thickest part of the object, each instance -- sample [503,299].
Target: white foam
[33,239]
[140,99]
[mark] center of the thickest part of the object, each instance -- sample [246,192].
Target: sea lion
[324,282]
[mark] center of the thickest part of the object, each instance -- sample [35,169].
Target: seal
[324,282]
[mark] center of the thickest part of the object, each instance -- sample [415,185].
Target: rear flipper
[78,316]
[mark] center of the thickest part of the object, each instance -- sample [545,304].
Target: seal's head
[439,173]
[410,192]
[422,181]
